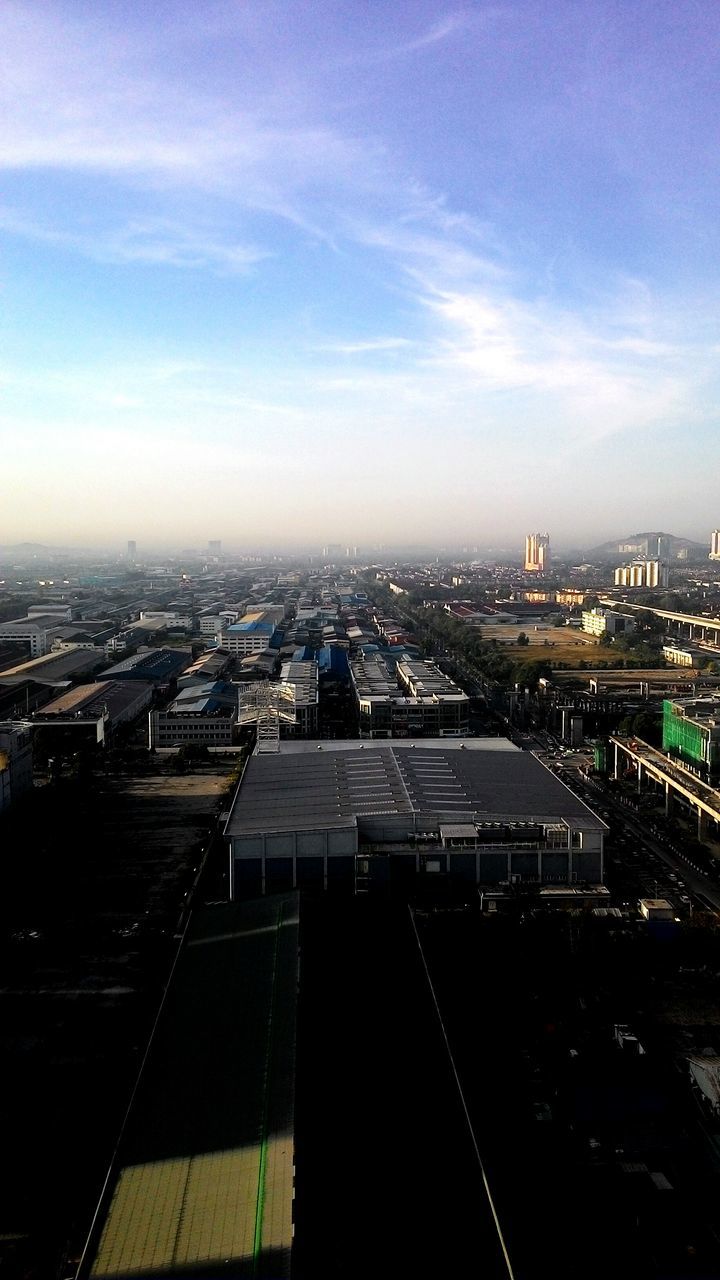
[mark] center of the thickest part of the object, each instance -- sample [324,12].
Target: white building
[252,634]
[36,631]
[715,545]
[642,573]
[601,622]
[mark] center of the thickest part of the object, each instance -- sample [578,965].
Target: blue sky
[298,272]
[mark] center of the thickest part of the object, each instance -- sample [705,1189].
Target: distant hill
[663,545]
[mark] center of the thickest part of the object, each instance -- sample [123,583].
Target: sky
[301,271]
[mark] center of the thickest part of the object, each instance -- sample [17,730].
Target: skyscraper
[131,551]
[215,547]
[537,553]
[715,545]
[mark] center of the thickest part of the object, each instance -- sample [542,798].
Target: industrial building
[56,669]
[605,622]
[537,553]
[378,815]
[406,698]
[201,715]
[104,706]
[691,733]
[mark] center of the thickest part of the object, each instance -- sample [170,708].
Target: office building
[715,545]
[353,816]
[215,547]
[132,551]
[537,553]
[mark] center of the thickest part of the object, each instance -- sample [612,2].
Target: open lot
[544,637]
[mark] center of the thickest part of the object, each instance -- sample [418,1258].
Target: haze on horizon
[413,273]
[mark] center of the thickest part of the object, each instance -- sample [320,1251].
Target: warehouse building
[353,816]
[56,669]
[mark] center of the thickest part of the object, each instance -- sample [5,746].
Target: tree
[523,639]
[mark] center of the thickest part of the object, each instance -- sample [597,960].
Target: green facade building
[691,733]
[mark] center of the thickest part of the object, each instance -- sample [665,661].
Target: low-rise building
[201,715]
[683,655]
[159,666]
[302,679]
[602,622]
[409,698]
[352,816]
[252,634]
[36,630]
[101,707]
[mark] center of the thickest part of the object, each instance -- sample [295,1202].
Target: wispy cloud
[367,346]
[153,241]
[595,386]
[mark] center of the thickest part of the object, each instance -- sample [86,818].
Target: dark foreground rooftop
[203,1184]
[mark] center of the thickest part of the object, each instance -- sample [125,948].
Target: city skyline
[445,274]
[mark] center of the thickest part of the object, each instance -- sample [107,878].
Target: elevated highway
[672,776]
[692,626]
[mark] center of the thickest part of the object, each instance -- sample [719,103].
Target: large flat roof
[308,785]
[204,1179]
[55,667]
